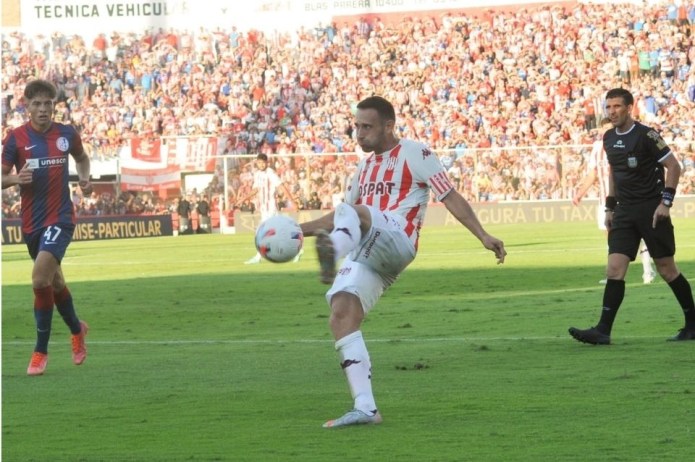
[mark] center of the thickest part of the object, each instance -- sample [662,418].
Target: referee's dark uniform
[637,207]
[638,179]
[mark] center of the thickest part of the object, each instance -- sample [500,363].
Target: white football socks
[354,359]
[346,234]
[646,262]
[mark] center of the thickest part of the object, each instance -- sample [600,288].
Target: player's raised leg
[348,224]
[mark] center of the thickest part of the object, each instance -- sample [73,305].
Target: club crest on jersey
[62,144]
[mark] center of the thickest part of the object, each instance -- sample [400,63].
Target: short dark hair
[381,105]
[40,87]
[263,157]
[627,97]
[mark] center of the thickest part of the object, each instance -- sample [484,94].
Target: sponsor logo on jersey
[380,187]
[426,153]
[47,162]
[52,162]
[619,145]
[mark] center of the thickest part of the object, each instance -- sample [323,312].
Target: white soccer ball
[279,239]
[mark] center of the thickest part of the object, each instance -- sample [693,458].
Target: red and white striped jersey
[399,181]
[266,182]
[599,163]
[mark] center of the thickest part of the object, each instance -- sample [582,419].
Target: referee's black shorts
[631,223]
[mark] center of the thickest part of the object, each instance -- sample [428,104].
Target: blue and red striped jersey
[46,201]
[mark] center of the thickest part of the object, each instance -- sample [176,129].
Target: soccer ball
[279,239]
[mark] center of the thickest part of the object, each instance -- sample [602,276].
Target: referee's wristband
[667,196]
[611,202]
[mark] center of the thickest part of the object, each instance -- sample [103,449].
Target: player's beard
[366,147]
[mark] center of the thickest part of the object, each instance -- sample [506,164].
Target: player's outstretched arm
[583,187]
[461,209]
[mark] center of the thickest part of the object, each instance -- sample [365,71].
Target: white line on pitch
[316,341]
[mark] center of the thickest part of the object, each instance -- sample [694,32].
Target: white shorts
[382,254]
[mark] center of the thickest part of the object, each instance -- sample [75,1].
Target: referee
[640,196]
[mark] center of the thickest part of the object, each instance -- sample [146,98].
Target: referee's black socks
[684,294]
[613,296]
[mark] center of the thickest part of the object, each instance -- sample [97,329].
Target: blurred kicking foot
[326,253]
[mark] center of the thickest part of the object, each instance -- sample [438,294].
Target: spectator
[184,211]
[443,70]
[203,209]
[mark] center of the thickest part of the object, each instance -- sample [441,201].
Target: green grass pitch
[194,356]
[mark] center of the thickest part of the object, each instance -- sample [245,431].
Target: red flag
[145,149]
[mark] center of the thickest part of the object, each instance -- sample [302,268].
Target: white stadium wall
[97,16]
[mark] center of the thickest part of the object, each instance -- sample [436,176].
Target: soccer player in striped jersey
[377,229]
[598,169]
[264,190]
[35,157]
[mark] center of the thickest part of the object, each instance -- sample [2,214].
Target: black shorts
[631,223]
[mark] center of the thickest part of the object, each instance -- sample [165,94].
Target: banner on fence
[97,228]
[145,149]
[491,213]
[155,179]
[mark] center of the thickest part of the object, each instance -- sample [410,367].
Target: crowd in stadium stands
[468,85]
